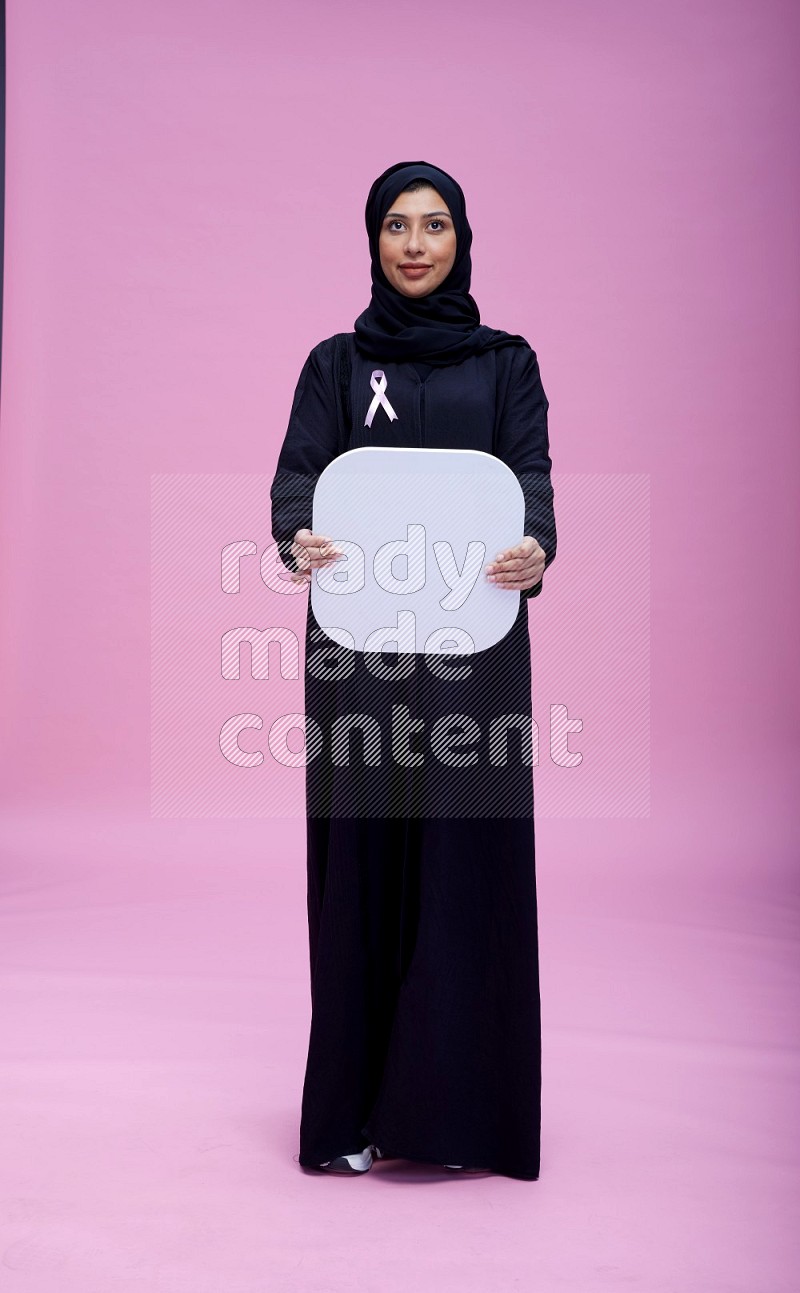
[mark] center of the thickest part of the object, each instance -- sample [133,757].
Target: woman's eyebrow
[398,215]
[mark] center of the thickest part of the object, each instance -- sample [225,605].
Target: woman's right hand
[312,552]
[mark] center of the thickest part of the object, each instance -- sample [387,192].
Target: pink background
[184,221]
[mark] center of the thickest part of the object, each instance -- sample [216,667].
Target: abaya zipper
[422,412]
[415,684]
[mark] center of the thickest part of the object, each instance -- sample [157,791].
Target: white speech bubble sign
[418,527]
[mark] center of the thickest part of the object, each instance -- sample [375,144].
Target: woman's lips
[414,271]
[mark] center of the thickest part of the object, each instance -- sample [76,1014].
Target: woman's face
[417,243]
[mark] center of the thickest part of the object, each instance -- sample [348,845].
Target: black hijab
[443,327]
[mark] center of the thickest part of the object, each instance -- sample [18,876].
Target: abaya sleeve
[311,442]
[522,442]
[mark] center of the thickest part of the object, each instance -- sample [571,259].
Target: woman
[425,1038]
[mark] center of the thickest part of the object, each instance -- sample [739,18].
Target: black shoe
[350,1164]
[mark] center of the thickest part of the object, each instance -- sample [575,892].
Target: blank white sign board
[418,528]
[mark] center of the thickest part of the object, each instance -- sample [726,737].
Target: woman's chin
[415,289]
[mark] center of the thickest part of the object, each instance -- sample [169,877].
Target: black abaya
[425,1033]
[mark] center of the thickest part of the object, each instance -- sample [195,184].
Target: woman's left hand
[520,567]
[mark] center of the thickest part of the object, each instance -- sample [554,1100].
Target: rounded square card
[417,527]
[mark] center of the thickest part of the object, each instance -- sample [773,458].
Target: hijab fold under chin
[443,327]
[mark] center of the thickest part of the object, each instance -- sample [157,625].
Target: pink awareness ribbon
[378,383]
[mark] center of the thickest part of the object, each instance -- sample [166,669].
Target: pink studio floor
[155,1023]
